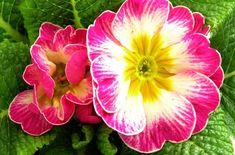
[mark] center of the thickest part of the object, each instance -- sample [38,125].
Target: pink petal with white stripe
[100,37]
[201,92]
[112,89]
[137,17]
[172,118]
[34,76]
[199,24]
[39,56]
[195,53]
[178,25]
[76,67]
[86,114]
[129,119]
[218,77]
[58,114]
[23,111]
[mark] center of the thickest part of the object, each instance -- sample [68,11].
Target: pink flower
[151,64]
[60,76]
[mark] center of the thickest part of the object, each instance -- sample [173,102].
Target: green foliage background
[19,24]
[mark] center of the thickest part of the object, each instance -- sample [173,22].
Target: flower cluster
[151,75]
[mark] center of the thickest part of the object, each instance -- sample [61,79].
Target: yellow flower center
[147,67]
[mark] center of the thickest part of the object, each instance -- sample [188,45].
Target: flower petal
[136,17]
[79,37]
[128,120]
[218,77]
[195,54]
[199,25]
[81,93]
[171,118]
[100,37]
[34,76]
[179,24]
[112,89]
[85,114]
[62,37]
[40,58]
[46,34]
[58,114]
[76,67]
[70,49]
[23,111]
[201,92]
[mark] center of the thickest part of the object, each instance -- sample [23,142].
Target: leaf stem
[11,31]
[229,75]
[77,19]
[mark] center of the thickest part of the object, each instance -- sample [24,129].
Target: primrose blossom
[61,81]
[156,78]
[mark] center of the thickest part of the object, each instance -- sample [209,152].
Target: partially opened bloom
[61,79]
[156,77]
[59,72]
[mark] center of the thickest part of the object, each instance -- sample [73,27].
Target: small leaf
[103,143]
[82,139]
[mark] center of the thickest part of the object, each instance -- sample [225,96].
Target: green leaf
[13,57]
[103,141]
[35,12]
[11,23]
[82,139]
[88,10]
[14,142]
[224,42]
[74,12]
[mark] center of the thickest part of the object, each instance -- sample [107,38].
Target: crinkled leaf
[224,42]
[13,57]
[103,142]
[82,139]
[14,142]
[11,23]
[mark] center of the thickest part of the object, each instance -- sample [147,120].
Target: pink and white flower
[61,79]
[156,78]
